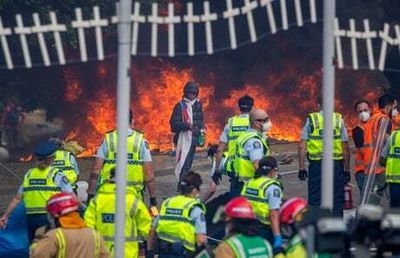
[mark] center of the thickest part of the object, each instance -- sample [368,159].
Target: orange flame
[26,159]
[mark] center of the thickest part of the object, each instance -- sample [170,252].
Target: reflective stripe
[316,121]
[112,142]
[134,183]
[239,246]
[391,177]
[36,210]
[256,199]
[97,244]
[172,239]
[65,168]
[394,156]
[130,162]
[318,137]
[131,238]
[246,157]
[136,143]
[42,188]
[176,218]
[231,138]
[393,136]
[61,243]
[134,207]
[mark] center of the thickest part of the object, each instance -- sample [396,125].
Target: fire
[26,159]
[73,88]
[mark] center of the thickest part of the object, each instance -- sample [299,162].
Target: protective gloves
[302,174]
[216,177]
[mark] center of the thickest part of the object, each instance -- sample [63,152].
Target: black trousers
[187,165]
[35,221]
[394,189]
[314,185]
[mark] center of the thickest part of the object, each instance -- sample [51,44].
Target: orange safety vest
[359,153]
[371,130]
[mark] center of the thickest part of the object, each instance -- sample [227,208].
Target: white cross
[80,25]
[40,29]
[368,35]
[313,11]
[299,14]
[354,35]
[190,19]
[386,39]
[170,20]
[56,29]
[270,14]
[397,30]
[247,9]
[97,23]
[136,18]
[155,20]
[114,18]
[207,18]
[285,22]
[339,33]
[230,14]
[4,32]
[22,31]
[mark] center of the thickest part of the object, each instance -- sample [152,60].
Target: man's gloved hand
[347,177]
[302,174]
[277,241]
[217,177]
[153,201]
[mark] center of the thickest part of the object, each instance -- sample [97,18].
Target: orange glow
[26,159]
[73,89]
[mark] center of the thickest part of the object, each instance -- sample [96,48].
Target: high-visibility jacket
[62,161]
[175,223]
[359,154]
[393,159]
[249,246]
[242,164]
[38,187]
[100,215]
[254,191]
[371,132]
[237,126]
[315,142]
[134,168]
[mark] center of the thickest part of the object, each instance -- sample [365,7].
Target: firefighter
[290,213]
[390,158]
[242,240]
[100,215]
[264,193]
[250,148]
[139,169]
[363,109]
[312,142]
[181,226]
[39,184]
[68,235]
[66,162]
[379,123]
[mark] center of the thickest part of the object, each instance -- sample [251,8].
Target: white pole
[328,91]
[123,96]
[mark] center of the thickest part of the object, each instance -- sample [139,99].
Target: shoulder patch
[277,193]
[257,145]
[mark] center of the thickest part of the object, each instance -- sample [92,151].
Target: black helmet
[245,103]
[191,87]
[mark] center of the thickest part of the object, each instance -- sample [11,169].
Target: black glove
[153,201]
[347,177]
[149,254]
[89,197]
[302,174]
[217,177]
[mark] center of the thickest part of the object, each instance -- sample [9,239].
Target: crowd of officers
[254,215]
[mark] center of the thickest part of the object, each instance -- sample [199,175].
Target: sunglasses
[263,120]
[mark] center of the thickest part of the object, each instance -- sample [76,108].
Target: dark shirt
[358,136]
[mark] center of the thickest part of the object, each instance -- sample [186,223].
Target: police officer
[139,169]
[242,240]
[39,184]
[250,148]
[265,195]
[312,142]
[100,215]
[181,226]
[66,162]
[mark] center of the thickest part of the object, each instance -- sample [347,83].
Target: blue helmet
[45,149]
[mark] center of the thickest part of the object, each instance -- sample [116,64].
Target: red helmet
[239,207]
[61,204]
[290,209]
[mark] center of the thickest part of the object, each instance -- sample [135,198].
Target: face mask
[394,112]
[364,116]
[267,126]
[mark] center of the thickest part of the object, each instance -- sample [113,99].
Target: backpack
[12,116]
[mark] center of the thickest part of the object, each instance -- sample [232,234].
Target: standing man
[188,125]
[378,124]
[181,226]
[312,143]
[66,162]
[68,235]
[139,169]
[251,147]
[363,110]
[11,119]
[39,184]
[100,215]
[265,195]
